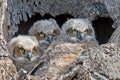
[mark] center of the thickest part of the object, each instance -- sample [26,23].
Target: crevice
[102,25]
[24,27]
[103,29]
[62,18]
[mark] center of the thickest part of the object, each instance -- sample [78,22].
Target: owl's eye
[86,31]
[56,32]
[22,50]
[75,31]
[69,31]
[42,34]
[33,50]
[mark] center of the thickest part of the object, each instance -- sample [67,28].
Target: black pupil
[34,49]
[22,50]
[75,30]
[42,33]
[54,33]
[86,30]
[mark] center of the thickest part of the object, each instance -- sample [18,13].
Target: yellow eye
[54,33]
[42,34]
[21,50]
[69,31]
[33,50]
[86,31]
[75,31]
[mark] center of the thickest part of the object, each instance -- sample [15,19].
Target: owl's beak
[49,38]
[29,55]
[81,36]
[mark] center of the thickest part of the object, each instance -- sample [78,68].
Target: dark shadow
[62,18]
[102,25]
[103,29]
[24,27]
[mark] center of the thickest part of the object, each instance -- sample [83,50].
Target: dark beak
[49,38]
[29,55]
[80,36]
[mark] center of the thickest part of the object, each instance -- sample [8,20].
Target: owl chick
[62,59]
[78,30]
[24,51]
[78,36]
[46,31]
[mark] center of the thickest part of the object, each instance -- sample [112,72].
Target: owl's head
[78,30]
[24,48]
[46,30]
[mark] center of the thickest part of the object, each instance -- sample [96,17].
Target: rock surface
[100,62]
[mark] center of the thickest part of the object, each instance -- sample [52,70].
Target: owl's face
[24,48]
[78,30]
[47,35]
[45,30]
[28,54]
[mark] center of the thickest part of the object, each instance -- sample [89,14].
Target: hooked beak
[29,55]
[81,36]
[49,38]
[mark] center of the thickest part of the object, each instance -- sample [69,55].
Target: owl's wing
[61,59]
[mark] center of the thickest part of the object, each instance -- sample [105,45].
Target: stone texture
[103,60]
[7,69]
[100,62]
[21,10]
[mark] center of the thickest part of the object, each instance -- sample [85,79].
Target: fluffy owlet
[24,51]
[61,60]
[46,31]
[78,30]
[78,36]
